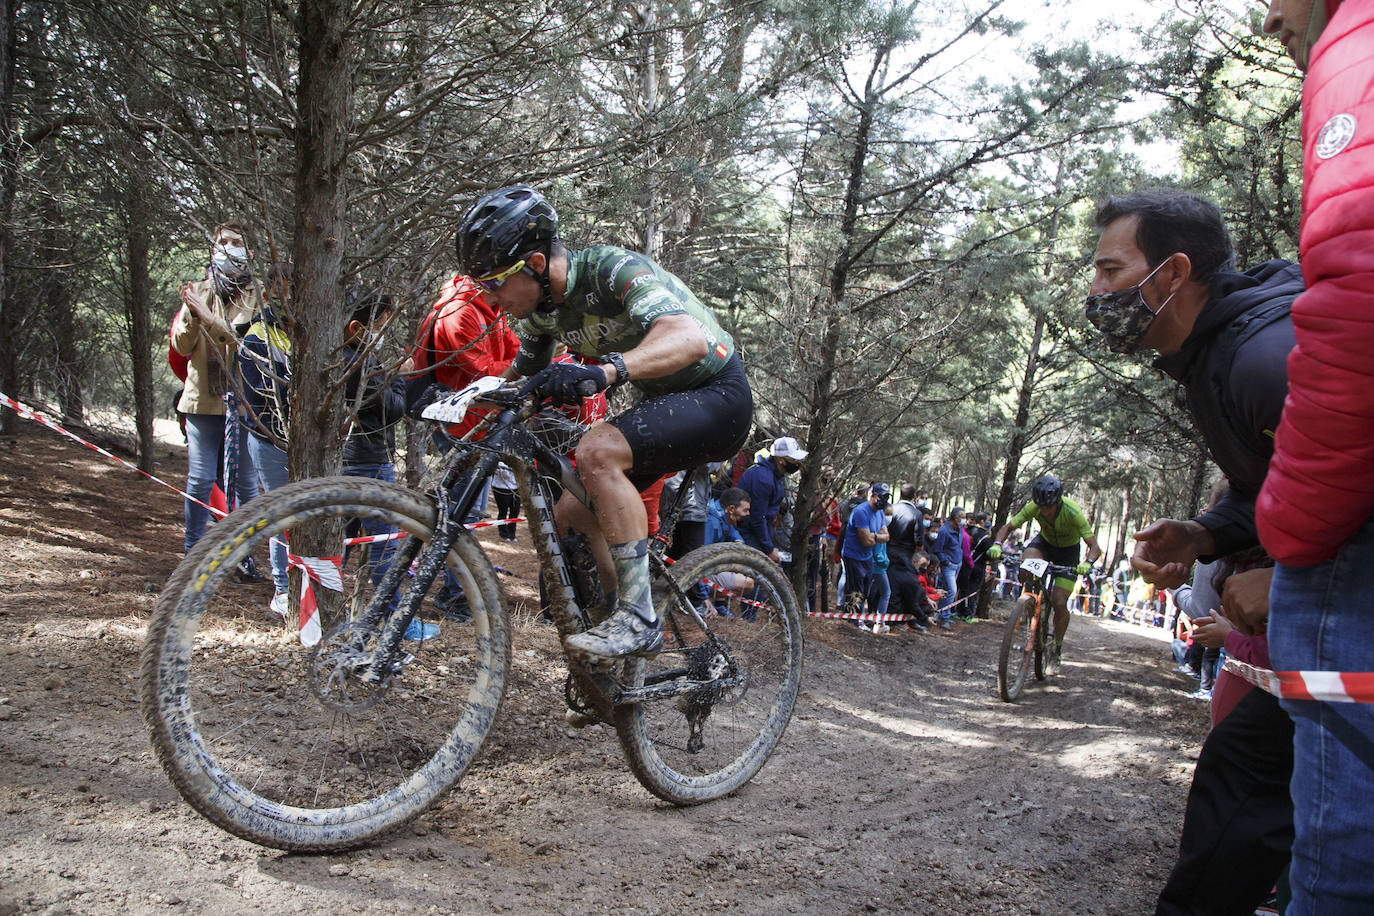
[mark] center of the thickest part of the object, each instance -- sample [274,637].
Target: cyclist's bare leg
[1059,599]
[616,514]
[603,461]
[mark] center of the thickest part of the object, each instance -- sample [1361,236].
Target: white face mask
[230,260]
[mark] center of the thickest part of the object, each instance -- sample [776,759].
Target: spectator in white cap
[766,484]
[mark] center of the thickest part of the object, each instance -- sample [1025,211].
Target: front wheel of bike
[709,741]
[1051,664]
[1014,660]
[306,748]
[1041,647]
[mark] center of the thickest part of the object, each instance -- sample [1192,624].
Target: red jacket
[471,339]
[1320,486]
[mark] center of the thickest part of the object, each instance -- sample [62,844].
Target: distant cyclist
[1062,526]
[639,324]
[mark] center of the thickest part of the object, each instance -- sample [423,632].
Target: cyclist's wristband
[622,375]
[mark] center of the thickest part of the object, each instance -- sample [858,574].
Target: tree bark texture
[9,157]
[323,103]
[138,314]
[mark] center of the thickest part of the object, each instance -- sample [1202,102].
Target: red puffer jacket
[1320,487]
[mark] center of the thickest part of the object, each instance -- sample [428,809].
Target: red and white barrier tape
[877,618]
[322,570]
[1328,686]
[29,414]
[397,535]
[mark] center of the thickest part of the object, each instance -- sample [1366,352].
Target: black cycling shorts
[1059,556]
[677,431]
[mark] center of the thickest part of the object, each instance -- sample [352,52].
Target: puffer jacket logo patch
[1335,136]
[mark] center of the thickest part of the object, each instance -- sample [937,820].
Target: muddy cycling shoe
[622,634]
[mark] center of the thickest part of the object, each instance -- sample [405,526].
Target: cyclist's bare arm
[1094,549]
[673,343]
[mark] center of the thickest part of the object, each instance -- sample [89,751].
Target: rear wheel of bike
[1014,660]
[698,746]
[291,746]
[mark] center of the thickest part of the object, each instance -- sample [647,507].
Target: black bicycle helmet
[502,227]
[1047,490]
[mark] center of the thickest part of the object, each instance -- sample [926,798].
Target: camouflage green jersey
[613,297]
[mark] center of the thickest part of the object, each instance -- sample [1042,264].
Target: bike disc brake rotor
[338,665]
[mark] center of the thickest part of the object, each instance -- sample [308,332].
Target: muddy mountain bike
[328,746]
[1025,644]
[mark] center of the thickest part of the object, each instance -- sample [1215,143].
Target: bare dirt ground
[901,785]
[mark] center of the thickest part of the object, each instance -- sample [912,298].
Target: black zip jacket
[372,438]
[1234,371]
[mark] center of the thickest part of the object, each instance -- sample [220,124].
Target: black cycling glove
[428,396]
[566,384]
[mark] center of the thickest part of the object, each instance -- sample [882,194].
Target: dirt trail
[902,784]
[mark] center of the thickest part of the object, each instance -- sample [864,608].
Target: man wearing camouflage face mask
[1164,281]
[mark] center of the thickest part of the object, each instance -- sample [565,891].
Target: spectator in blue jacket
[722,525]
[724,515]
[766,484]
[950,552]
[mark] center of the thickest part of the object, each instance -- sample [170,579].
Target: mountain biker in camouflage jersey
[639,325]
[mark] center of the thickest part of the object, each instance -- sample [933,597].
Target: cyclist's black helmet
[501,227]
[1047,490]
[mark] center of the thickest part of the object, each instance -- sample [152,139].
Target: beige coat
[210,348]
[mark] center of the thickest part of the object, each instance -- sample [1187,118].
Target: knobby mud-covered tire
[1051,663]
[736,728]
[1013,661]
[267,738]
[1041,640]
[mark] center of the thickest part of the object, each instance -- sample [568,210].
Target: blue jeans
[204,446]
[270,464]
[857,576]
[1322,618]
[879,593]
[379,554]
[949,581]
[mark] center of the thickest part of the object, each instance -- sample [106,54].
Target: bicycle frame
[1040,583]
[458,490]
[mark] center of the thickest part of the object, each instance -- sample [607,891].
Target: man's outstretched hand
[1166,550]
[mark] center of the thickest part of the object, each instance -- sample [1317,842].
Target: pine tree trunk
[138,311]
[323,102]
[323,106]
[9,157]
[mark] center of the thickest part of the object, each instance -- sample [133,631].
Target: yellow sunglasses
[494,281]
